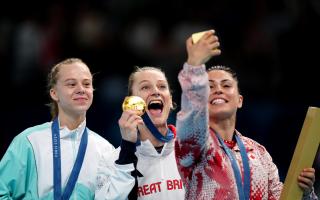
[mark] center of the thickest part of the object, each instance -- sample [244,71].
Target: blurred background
[273,45]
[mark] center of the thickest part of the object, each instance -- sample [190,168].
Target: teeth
[155,101]
[218,101]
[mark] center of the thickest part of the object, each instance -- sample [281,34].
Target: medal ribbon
[243,189]
[155,132]
[57,163]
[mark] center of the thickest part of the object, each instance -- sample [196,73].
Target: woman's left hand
[306,179]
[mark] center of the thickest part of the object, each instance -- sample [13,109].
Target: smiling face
[73,91]
[224,98]
[152,86]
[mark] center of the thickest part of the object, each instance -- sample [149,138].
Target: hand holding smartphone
[197,36]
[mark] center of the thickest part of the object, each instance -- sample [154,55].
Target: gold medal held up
[134,103]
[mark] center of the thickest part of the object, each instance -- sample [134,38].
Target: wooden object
[304,154]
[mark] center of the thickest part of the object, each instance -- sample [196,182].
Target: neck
[225,128]
[72,122]
[145,134]
[163,129]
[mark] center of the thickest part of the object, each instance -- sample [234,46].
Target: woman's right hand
[200,52]
[128,124]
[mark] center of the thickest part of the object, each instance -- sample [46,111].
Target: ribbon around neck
[57,163]
[243,189]
[155,132]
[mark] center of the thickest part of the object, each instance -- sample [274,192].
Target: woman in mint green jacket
[63,159]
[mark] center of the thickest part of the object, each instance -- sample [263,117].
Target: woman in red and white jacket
[215,160]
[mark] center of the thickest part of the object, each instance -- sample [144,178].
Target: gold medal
[134,103]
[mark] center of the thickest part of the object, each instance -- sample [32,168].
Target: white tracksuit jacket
[160,177]
[26,169]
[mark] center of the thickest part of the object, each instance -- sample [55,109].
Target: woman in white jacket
[156,173]
[63,159]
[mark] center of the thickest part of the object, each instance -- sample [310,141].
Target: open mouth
[155,107]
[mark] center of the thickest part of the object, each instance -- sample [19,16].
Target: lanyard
[155,132]
[57,163]
[243,189]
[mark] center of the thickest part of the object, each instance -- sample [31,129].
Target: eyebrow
[74,79]
[69,79]
[143,81]
[224,80]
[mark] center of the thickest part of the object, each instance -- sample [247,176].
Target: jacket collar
[146,148]
[76,133]
[246,141]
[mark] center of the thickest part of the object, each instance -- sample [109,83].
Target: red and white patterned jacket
[205,168]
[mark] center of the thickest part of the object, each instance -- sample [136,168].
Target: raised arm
[192,119]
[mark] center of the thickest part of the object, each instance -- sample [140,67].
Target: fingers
[215,52]
[128,123]
[129,120]
[211,42]
[201,51]
[208,34]
[308,173]
[306,179]
[210,37]
[309,169]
